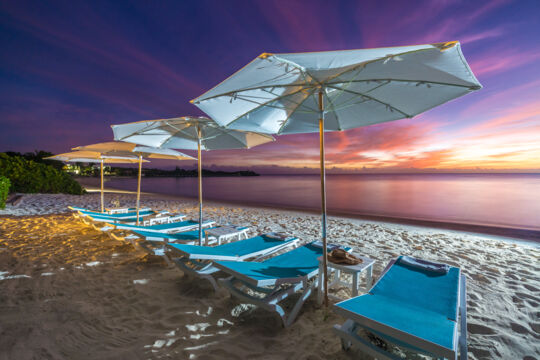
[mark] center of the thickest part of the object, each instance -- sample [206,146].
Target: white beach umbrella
[95,157]
[188,132]
[120,148]
[338,90]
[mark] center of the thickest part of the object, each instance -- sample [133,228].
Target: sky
[71,69]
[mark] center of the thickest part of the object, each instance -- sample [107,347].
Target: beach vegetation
[30,176]
[4,190]
[38,156]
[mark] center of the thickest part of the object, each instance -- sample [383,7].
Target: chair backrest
[304,256]
[172,225]
[251,245]
[436,292]
[118,216]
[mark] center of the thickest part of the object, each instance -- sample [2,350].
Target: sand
[70,292]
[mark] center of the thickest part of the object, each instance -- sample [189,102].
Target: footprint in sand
[520,329]
[479,329]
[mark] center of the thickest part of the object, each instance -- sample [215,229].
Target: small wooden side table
[355,270]
[225,233]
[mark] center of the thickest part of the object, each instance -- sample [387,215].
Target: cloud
[503,59]
[495,32]
[524,115]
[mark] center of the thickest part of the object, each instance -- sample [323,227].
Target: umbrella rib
[374,99]
[302,70]
[402,80]
[230,93]
[365,63]
[292,112]
[265,104]
[275,78]
[177,131]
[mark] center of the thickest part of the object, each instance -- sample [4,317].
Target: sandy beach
[70,292]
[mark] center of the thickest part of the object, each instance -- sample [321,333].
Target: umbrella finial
[448,45]
[265,55]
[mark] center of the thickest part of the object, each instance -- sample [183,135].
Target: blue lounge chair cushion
[117,216]
[186,235]
[123,220]
[296,263]
[425,289]
[172,225]
[237,248]
[419,302]
[414,320]
[77,208]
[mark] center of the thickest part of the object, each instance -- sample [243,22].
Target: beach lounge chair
[186,237]
[197,260]
[172,227]
[108,210]
[275,279]
[134,236]
[101,223]
[415,304]
[104,224]
[154,242]
[115,217]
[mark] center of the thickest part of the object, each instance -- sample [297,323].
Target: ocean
[502,200]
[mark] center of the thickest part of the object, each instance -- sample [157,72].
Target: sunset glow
[69,73]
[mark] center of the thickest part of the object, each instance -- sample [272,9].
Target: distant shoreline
[529,235]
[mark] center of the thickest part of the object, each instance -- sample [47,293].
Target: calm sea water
[510,200]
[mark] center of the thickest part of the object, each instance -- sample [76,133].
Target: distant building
[72,169]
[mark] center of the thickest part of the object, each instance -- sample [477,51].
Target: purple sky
[71,69]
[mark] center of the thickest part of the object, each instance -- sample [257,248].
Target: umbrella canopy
[185,133]
[338,90]
[129,149]
[190,133]
[120,148]
[279,93]
[95,157]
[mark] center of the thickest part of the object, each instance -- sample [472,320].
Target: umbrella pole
[139,188]
[102,204]
[200,182]
[323,197]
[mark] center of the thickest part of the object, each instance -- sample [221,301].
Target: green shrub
[28,176]
[4,190]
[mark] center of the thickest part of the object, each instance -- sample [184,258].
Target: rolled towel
[425,265]
[278,236]
[340,256]
[329,246]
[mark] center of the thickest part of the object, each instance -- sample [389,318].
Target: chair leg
[347,333]
[463,319]
[348,326]
[320,284]
[296,309]
[191,272]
